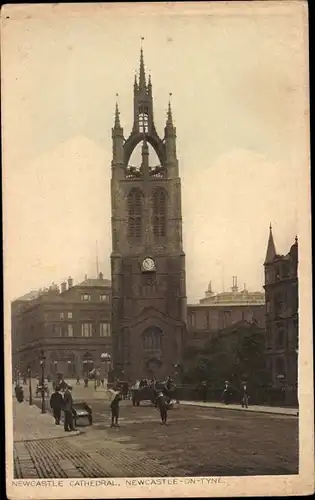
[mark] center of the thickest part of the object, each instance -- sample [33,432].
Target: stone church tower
[147,259]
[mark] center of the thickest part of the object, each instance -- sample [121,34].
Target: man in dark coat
[114,406]
[244,395]
[68,408]
[162,406]
[56,404]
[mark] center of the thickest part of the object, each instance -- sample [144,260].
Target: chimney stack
[101,276]
[70,282]
[234,287]
[63,286]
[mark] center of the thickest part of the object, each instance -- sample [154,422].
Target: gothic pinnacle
[169,113]
[117,120]
[142,83]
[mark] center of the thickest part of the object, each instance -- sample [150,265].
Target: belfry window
[143,123]
[135,214]
[159,213]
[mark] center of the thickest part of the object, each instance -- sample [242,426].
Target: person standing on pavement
[244,395]
[114,406]
[68,408]
[56,404]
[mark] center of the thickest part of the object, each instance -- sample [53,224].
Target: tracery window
[152,339]
[135,214]
[159,213]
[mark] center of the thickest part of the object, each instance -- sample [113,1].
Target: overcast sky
[239,102]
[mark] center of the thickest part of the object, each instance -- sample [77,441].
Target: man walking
[67,408]
[244,395]
[56,404]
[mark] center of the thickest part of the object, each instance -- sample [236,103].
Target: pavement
[30,424]
[255,408]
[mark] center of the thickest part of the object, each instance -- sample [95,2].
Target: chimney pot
[70,282]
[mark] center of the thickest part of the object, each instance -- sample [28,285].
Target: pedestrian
[204,391]
[244,395]
[226,393]
[162,406]
[56,404]
[78,380]
[114,406]
[68,409]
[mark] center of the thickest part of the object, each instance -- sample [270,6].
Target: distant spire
[169,120]
[117,119]
[142,83]
[296,240]
[271,248]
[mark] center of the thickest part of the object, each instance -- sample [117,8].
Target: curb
[73,434]
[268,412]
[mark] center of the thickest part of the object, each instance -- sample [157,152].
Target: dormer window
[85,296]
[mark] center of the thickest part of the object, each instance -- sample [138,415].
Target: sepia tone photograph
[156,248]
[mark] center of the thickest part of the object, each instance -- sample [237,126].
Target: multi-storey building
[215,312]
[147,259]
[71,325]
[282,302]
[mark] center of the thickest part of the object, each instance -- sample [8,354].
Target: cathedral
[147,260]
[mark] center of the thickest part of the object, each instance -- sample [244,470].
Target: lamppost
[85,370]
[106,358]
[29,372]
[42,365]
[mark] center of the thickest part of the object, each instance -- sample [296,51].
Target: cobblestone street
[197,441]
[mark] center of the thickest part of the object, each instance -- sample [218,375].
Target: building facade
[147,259]
[71,325]
[282,323]
[216,312]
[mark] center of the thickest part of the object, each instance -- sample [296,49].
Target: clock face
[148,264]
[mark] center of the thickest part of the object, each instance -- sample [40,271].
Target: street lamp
[85,362]
[29,372]
[42,365]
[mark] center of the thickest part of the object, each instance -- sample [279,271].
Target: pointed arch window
[143,123]
[159,213]
[135,215]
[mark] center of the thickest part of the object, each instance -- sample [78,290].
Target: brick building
[147,259]
[282,331]
[71,324]
[215,312]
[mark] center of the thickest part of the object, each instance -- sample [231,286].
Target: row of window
[104,297]
[86,330]
[225,319]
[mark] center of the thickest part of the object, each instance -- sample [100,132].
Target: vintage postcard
[157,250]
